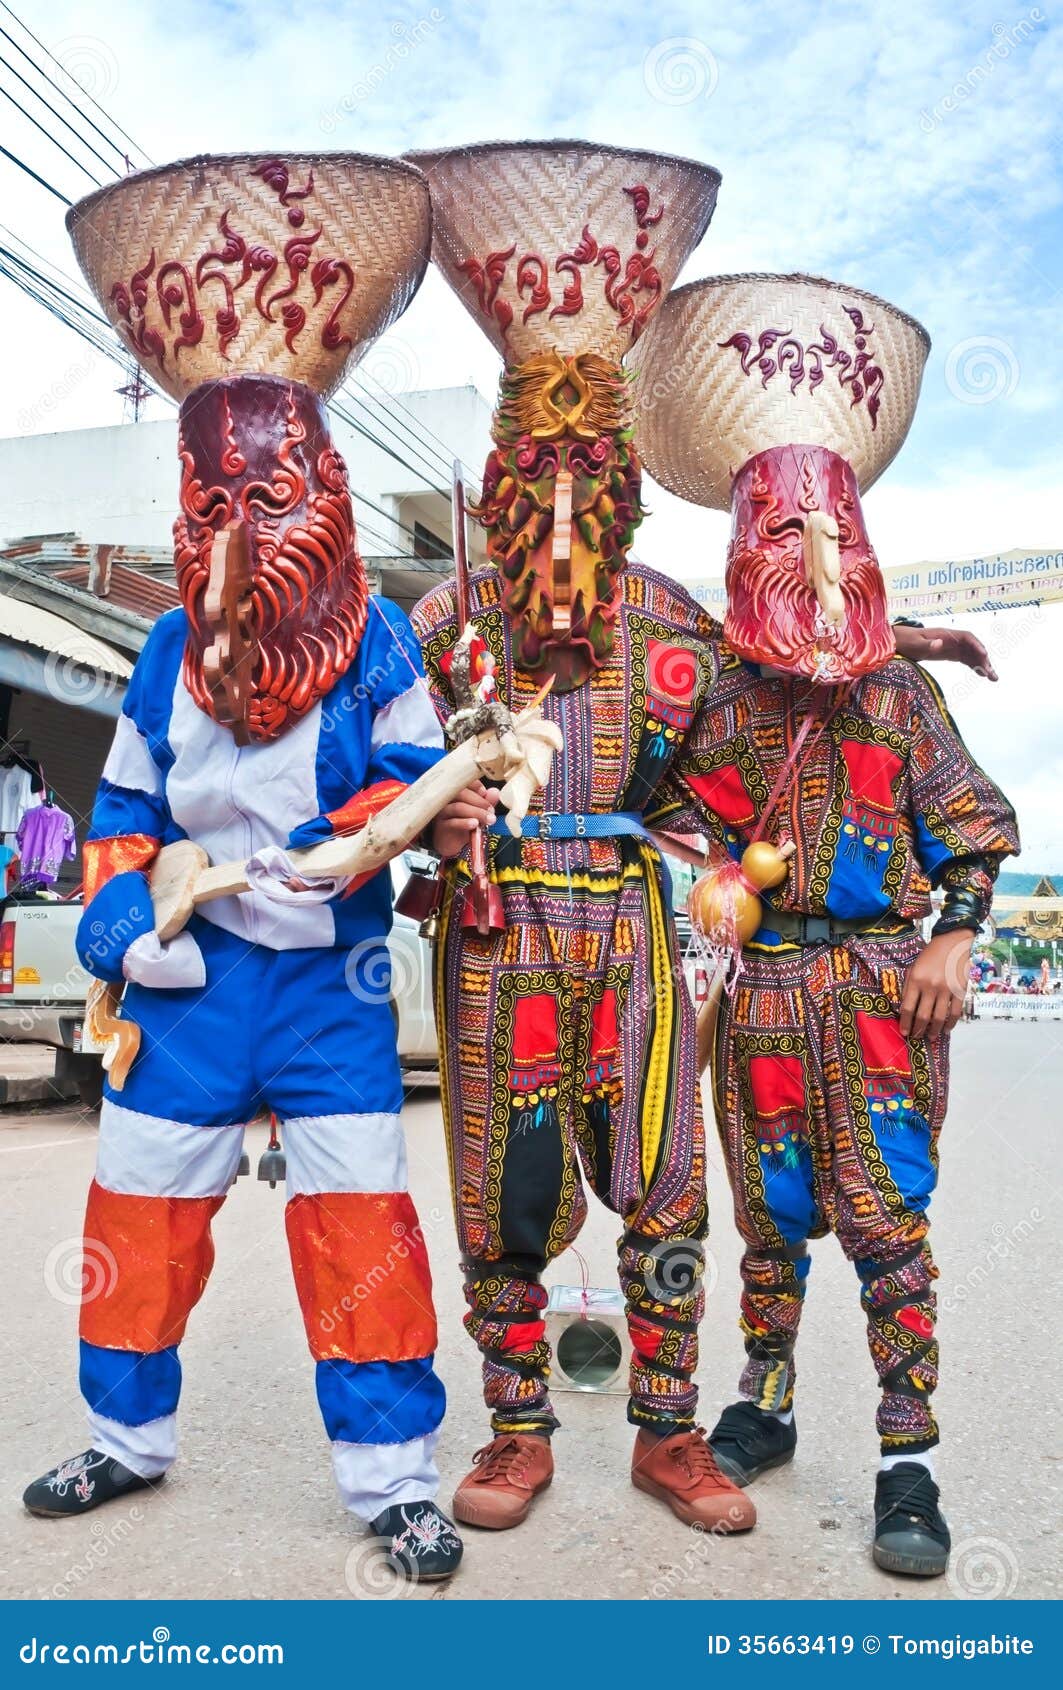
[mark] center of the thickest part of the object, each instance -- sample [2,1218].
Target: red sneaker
[507,1475]
[682,1471]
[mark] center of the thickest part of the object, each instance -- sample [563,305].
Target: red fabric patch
[884,1050]
[523,1337]
[535,1037]
[605,1031]
[645,1339]
[362,1276]
[778,1085]
[724,791]
[672,676]
[147,1260]
[352,816]
[915,1321]
[872,770]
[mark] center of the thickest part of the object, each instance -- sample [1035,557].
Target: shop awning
[46,654]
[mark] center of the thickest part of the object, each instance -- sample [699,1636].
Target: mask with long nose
[266,554]
[804,590]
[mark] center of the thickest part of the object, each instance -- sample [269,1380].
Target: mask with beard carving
[286,606]
[804,590]
[561,502]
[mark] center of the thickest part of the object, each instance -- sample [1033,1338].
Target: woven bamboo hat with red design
[563,252]
[247,286]
[564,244]
[287,265]
[781,398]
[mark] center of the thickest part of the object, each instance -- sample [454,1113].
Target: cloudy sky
[912,149]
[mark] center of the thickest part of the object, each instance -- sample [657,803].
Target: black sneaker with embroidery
[421,1543]
[747,1442]
[82,1483]
[910,1531]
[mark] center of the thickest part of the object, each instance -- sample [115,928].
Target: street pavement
[249,1510]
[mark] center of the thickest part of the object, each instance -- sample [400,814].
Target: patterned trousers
[568,1046]
[829,1121]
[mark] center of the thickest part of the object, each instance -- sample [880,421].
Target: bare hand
[473,807]
[936,985]
[945,645]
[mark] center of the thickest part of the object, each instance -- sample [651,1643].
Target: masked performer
[786,397]
[279,705]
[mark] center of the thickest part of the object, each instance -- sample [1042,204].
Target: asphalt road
[249,1510]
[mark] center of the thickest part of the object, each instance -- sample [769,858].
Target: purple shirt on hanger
[45,839]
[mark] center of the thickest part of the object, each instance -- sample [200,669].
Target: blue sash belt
[581,825]
[578,826]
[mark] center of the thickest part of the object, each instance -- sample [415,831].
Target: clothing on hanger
[45,839]
[16,795]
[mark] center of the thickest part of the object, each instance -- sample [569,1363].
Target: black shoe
[910,1531]
[747,1442]
[421,1542]
[82,1483]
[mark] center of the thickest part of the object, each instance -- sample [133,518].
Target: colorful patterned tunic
[568,1039]
[886,800]
[829,1117]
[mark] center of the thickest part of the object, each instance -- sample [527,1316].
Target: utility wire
[37,95]
[50,137]
[35,176]
[60,66]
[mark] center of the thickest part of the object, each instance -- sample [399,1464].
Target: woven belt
[578,825]
[823,929]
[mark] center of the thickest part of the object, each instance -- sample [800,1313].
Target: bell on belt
[243,1166]
[271,1164]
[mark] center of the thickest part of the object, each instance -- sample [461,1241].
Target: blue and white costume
[270,1000]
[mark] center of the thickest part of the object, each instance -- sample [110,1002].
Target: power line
[37,95]
[60,66]
[61,92]
[49,137]
[35,176]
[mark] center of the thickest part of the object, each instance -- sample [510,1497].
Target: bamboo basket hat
[564,245]
[736,365]
[781,399]
[287,265]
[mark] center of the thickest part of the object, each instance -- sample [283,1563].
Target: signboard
[1003,581]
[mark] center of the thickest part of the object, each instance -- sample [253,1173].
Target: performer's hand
[945,645]
[473,807]
[936,985]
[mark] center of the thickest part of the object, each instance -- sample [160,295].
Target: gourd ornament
[725,906]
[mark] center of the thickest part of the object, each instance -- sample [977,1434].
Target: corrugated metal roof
[28,624]
[130,589]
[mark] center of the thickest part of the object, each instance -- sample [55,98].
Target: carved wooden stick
[181,878]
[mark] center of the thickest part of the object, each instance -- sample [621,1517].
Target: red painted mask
[804,589]
[277,605]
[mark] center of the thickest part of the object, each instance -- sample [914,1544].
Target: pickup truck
[43,987]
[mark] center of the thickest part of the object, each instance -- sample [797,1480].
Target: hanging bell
[271,1164]
[243,1166]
